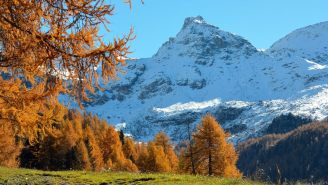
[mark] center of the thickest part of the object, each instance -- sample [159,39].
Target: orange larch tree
[142,156]
[113,154]
[213,155]
[129,149]
[95,154]
[162,140]
[45,42]
[156,159]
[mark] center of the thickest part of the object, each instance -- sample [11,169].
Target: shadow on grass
[125,181]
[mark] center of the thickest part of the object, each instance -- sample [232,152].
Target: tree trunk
[210,163]
[191,151]
[210,170]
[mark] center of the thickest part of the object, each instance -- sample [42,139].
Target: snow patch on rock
[190,106]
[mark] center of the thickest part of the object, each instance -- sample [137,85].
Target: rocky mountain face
[205,69]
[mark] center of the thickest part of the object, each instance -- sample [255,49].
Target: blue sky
[262,22]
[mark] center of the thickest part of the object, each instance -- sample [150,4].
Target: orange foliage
[156,159]
[212,154]
[95,153]
[66,144]
[129,149]
[186,161]
[70,141]
[9,149]
[113,153]
[46,42]
[82,154]
[162,140]
[157,155]
[142,159]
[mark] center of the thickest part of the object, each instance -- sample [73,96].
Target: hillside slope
[305,149]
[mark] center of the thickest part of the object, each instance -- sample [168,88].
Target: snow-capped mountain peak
[206,69]
[193,20]
[198,38]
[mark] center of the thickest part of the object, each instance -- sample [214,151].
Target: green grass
[33,177]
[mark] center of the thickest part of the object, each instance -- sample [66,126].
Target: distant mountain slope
[205,69]
[300,155]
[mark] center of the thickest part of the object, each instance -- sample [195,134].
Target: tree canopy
[53,46]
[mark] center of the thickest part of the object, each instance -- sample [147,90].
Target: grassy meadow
[36,177]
